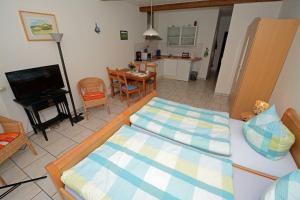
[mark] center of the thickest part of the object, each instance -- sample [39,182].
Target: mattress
[244,155]
[135,165]
[248,186]
[200,128]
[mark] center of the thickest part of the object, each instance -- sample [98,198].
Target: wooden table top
[137,77]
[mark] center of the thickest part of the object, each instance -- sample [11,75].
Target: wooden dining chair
[92,91]
[150,67]
[126,88]
[141,67]
[137,66]
[113,79]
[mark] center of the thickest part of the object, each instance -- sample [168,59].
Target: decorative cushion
[266,134]
[285,188]
[6,138]
[93,95]
[130,87]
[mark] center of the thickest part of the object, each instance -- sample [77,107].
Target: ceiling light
[150,31]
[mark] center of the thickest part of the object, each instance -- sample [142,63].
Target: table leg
[68,111]
[2,181]
[144,87]
[57,108]
[112,87]
[31,120]
[154,83]
[112,91]
[41,126]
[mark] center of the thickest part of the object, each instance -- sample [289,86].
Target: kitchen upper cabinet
[188,35]
[170,68]
[173,35]
[182,36]
[183,70]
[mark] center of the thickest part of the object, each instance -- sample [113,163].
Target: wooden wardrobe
[264,52]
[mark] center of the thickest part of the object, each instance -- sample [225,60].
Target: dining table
[139,76]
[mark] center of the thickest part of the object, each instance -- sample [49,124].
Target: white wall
[86,53]
[242,16]
[223,27]
[3,110]
[287,90]
[207,20]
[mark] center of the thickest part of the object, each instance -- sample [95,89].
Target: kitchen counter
[173,67]
[154,58]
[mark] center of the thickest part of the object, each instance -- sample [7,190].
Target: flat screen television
[35,82]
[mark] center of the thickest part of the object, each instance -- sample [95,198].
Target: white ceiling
[157,2]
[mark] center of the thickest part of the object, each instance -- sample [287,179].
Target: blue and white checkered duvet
[136,165]
[200,128]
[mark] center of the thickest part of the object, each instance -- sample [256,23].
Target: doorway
[222,52]
[219,43]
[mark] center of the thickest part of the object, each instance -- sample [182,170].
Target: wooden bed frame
[79,152]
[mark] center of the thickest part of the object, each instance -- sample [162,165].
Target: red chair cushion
[6,138]
[93,95]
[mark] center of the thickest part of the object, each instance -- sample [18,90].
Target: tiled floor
[23,165]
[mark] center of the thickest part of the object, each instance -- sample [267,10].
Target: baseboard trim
[221,94]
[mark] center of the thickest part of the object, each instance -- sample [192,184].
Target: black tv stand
[33,105]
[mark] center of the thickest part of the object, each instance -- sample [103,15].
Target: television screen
[32,83]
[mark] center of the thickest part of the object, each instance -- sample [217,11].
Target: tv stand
[33,105]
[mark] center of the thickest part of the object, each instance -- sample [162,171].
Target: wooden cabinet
[264,52]
[170,68]
[183,70]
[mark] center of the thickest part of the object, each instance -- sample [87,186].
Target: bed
[240,172]
[200,128]
[209,131]
[134,165]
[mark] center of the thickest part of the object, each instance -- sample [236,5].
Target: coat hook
[97,28]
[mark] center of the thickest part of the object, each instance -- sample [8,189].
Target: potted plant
[131,66]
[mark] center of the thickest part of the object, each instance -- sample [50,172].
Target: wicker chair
[9,149]
[92,91]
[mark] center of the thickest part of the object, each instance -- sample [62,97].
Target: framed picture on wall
[37,26]
[124,35]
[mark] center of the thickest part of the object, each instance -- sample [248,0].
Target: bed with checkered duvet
[135,165]
[200,128]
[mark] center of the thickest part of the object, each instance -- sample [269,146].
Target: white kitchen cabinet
[160,68]
[183,70]
[188,35]
[182,35]
[170,68]
[173,36]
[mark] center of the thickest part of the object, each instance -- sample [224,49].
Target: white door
[170,68]
[183,70]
